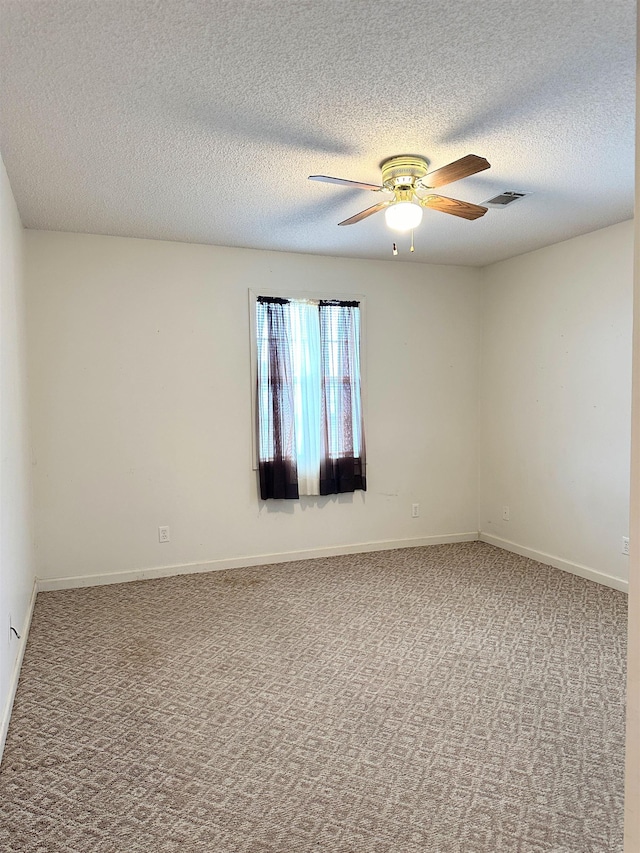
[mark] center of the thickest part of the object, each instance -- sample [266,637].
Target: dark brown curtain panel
[342,460]
[276,462]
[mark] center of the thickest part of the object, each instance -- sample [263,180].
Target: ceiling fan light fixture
[403,216]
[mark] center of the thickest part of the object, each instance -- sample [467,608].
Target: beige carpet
[452,699]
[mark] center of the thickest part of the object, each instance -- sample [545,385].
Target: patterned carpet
[451,699]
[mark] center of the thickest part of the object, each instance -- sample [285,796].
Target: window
[309,406]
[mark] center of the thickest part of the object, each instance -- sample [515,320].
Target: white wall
[632,780]
[142,404]
[16,557]
[555,399]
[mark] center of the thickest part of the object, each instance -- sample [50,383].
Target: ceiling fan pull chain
[412,249]
[395,249]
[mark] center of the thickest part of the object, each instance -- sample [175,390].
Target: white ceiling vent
[504,199]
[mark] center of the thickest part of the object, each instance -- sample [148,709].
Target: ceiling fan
[406,176]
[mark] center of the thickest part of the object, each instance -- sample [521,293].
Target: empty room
[319,427]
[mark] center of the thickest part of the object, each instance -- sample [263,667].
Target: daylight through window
[310,431]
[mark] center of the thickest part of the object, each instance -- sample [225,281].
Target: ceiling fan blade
[364,213]
[345,182]
[451,205]
[462,168]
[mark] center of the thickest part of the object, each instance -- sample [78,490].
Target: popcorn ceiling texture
[200,121]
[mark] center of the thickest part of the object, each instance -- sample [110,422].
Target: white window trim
[314,296]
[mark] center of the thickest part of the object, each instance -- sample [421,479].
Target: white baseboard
[15,675]
[45,584]
[556,562]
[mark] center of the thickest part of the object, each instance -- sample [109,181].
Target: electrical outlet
[163,534]
[625,545]
[415,510]
[505,513]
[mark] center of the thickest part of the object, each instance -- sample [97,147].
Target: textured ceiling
[200,121]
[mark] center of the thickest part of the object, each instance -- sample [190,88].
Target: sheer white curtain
[276,427]
[307,393]
[342,462]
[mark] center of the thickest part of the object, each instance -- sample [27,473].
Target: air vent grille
[505,198]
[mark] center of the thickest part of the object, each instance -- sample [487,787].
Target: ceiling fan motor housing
[403,171]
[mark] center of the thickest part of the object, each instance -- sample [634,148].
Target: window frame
[312,295]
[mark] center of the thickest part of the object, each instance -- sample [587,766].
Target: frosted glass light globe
[403,216]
